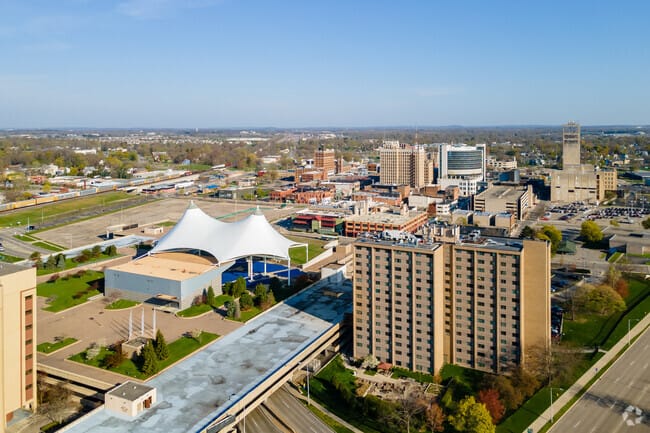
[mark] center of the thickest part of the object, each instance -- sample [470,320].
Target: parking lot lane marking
[577,424]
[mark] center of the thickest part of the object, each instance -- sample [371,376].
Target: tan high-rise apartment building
[324,159]
[17,340]
[479,303]
[570,145]
[402,164]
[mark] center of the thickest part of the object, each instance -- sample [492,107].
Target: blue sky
[241,63]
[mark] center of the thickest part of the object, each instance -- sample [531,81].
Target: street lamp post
[551,407]
[628,330]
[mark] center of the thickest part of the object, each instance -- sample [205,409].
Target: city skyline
[227,63]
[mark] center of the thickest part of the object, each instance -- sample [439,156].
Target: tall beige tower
[402,164]
[17,340]
[570,145]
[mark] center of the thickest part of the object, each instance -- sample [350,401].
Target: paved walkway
[558,404]
[91,323]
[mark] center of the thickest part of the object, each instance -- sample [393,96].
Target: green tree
[35,256]
[96,251]
[210,296]
[60,261]
[149,359]
[51,262]
[646,223]
[160,346]
[471,417]
[591,232]
[613,275]
[527,233]
[239,287]
[245,301]
[602,300]
[552,234]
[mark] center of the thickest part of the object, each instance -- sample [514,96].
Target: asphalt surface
[294,414]
[619,401]
[261,421]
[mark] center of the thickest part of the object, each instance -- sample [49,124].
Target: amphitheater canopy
[251,236]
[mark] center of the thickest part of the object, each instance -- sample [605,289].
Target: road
[294,414]
[261,421]
[619,401]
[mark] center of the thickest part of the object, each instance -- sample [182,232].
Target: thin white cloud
[157,9]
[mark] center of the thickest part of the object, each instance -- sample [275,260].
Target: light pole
[551,407]
[628,330]
[308,399]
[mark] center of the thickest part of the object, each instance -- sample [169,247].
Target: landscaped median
[48,347]
[69,291]
[121,304]
[105,357]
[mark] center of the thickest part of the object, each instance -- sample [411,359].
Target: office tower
[570,145]
[476,302]
[402,164]
[324,159]
[17,340]
[461,165]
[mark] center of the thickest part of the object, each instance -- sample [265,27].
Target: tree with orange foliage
[491,399]
[434,418]
[621,288]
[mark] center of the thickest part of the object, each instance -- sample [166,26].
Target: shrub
[53,278]
[245,301]
[116,358]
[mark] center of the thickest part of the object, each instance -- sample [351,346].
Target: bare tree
[434,417]
[54,400]
[408,407]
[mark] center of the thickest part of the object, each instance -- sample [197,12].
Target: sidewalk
[585,378]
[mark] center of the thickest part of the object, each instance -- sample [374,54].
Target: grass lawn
[48,246]
[9,259]
[51,347]
[35,214]
[297,254]
[194,310]
[249,314]
[592,329]
[528,412]
[194,167]
[71,264]
[166,224]
[67,292]
[221,300]
[26,238]
[614,257]
[538,403]
[121,304]
[398,373]
[177,350]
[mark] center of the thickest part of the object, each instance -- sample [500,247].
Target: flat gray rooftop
[130,390]
[200,389]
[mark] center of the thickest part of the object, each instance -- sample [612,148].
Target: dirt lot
[170,209]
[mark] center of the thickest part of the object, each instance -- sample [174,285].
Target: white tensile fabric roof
[251,236]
